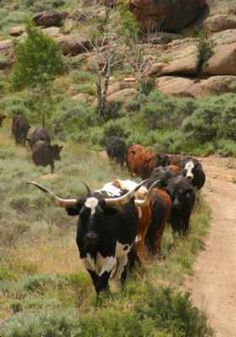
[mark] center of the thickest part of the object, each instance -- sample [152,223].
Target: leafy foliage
[38,60]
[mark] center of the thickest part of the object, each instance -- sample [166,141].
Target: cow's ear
[74,210]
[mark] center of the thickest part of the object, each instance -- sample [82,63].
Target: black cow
[116,149]
[44,154]
[20,127]
[106,230]
[182,195]
[192,170]
[39,134]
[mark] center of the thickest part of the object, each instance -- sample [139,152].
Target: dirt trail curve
[213,285]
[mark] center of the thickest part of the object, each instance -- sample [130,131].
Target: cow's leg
[93,276]
[104,275]
[122,268]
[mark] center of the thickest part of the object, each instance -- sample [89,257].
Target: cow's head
[95,207]
[56,149]
[188,169]
[179,189]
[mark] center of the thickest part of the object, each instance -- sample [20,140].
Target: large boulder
[223,59]
[218,23]
[184,87]
[73,44]
[169,15]
[123,96]
[49,18]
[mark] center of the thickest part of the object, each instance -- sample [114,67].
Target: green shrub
[174,314]
[202,125]
[227,124]
[158,113]
[52,324]
[115,128]
[72,118]
[38,60]
[81,76]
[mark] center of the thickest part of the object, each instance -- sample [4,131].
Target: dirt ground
[213,285]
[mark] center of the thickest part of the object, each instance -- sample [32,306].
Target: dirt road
[213,285]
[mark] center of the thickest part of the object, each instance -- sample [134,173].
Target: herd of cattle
[123,222]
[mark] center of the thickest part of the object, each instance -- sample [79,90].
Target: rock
[168,16]
[84,98]
[52,31]
[73,44]
[223,61]
[155,69]
[5,44]
[123,96]
[182,56]
[175,86]
[17,31]
[183,87]
[224,37]
[49,18]
[218,23]
[126,83]
[216,85]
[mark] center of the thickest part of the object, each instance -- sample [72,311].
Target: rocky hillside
[197,61]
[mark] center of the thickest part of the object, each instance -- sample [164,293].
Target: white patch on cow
[122,262]
[89,262]
[140,213]
[122,249]
[127,184]
[105,264]
[101,265]
[189,167]
[92,204]
[112,190]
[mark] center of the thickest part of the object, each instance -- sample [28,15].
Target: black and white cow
[106,230]
[192,169]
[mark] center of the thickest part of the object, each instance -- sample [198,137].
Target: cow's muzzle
[91,238]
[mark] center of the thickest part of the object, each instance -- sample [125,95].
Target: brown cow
[140,161]
[161,206]
[152,217]
[44,154]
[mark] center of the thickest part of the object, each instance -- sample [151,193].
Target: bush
[56,324]
[38,60]
[228,122]
[203,125]
[73,117]
[115,128]
[174,314]
[159,112]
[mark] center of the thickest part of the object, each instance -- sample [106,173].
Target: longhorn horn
[59,201]
[145,202]
[87,188]
[120,201]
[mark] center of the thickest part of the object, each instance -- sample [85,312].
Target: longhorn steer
[106,231]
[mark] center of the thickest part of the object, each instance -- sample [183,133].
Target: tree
[38,61]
